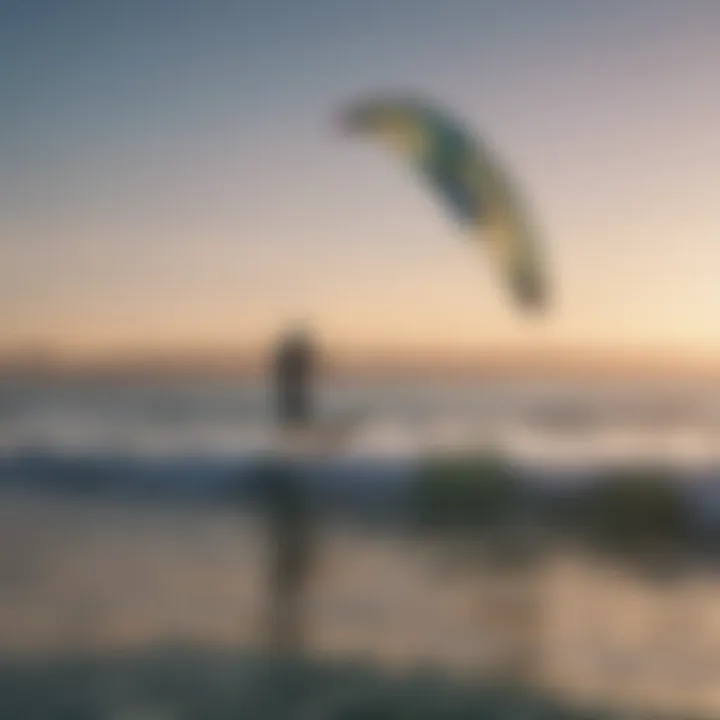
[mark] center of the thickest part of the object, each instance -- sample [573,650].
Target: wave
[361,484]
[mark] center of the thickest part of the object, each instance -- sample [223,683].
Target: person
[294,366]
[287,500]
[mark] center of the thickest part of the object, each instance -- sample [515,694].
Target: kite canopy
[466,178]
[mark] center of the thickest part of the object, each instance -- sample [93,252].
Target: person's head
[298,332]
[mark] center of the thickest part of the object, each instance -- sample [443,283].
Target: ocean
[81,575]
[191,432]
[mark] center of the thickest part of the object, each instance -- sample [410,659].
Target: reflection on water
[91,576]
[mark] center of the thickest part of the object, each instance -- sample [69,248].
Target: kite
[467,179]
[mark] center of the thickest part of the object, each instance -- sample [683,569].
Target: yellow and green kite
[468,180]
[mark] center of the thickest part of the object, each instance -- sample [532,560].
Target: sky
[172,177]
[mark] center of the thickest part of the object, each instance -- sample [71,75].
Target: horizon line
[517,359]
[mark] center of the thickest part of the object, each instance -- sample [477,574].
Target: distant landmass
[406,363]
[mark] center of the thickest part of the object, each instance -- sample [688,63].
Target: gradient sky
[171,176]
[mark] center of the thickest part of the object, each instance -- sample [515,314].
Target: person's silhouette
[294,363]
[287,500]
